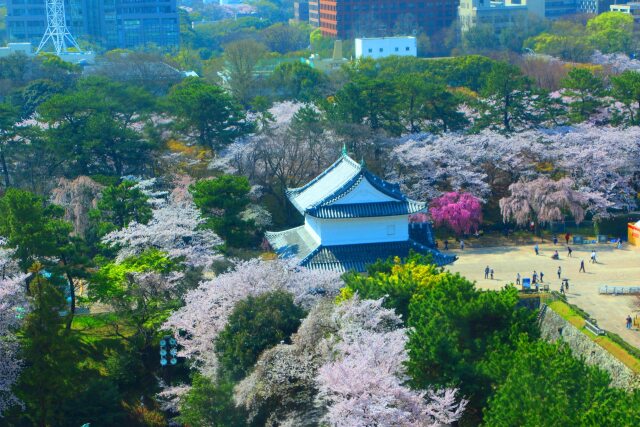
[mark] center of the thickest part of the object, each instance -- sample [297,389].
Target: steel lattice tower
[57,31]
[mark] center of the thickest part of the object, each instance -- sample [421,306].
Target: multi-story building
[594,6]
[301,11]
[498,15]
[552,9]
[314,13]
[365,18]
[110,23]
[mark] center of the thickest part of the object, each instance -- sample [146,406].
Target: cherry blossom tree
[175,228]
[544,200]
[461,212]
[77,197]
[600,159]
[207,308]
[364,385]
[12,310]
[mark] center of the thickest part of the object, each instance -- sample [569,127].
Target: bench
[593,328]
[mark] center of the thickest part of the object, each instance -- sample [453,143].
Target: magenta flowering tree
[461,212]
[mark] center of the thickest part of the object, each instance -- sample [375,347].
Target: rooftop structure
[353,218]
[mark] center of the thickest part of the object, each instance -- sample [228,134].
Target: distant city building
[301,11]
[552,9]
[594,6]
[352,218]
[381,47]
[366,18]
[111,23]
[497,14]
[632,9]
[314,13]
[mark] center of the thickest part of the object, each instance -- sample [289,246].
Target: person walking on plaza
[562,288]
[518,279]
[541,277]
[566,237]
[569,251]
[486,272]
[537,249]
[555,240]
[559,272]
[446,244]
[492,274]
[582,270]
[629,321]
[461,245]
[619,243]
[593,256]
[534,277]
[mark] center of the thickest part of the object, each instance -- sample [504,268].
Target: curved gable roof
[338,180]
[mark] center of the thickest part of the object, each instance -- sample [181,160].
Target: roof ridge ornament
[344,149]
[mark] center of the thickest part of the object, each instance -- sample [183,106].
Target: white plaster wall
[313,227]
[360,230]
[364,193]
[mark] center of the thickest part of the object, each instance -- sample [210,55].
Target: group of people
[488,272]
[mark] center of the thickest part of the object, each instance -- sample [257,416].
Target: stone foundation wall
[554,327]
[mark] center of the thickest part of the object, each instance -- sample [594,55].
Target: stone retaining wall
[554,327]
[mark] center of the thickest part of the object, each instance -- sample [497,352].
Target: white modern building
[353,218]
[632,9]
[11,48]
[381,47]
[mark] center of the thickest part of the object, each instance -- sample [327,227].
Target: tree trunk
[5,170]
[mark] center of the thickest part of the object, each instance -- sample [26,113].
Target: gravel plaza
[615,267]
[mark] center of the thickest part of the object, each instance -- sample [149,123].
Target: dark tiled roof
[357,257]
[342,177]
[363,210]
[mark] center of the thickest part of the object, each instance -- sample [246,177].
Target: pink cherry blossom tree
[544,200]
[364,384]
[208,307]
[461,212]
[175,228]
[13,306]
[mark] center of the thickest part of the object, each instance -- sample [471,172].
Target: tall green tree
[119,206]
[429,106]
[373,102]
[508,103]
[210,404]
[454,327]
[586,88]
[297,81]
[626,89]
[8,117]
[207,112]
[39,235]
[51,375]
[91,128]
[611,32]
[223,199]
[542,384]
[256,324]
